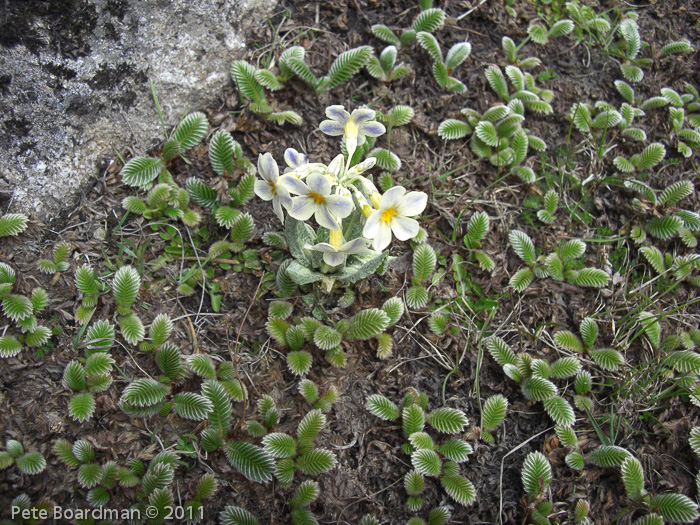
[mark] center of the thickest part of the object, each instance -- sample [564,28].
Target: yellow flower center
[335,238]
[319,199]
[351,130]
[389,214]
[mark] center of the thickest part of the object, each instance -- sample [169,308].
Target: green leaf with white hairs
[565,367]
[539,389]
[368,323]
[9,346]
[310,425]
[523,246]
[493,412]
[132,328]
[386,160]
[250,460]
[316,461]
[417,297]
[428,42]
[649,157]
[281,309]
[590,277]
[327,338]
[500,351]
[607,358]
[17,307]
[424,261]
[382,407]
[348,64]
[675,507]
[429,20]
[12,224]
[459,489]
[192,406]
[191,130]
[560,411]
[140,171]
[536,474]
[487,133]
[538,34]
[456,450]
[497,81]
[384,33]
[279,445]
[125,287]
[457,54]
[633,477]
[394,308]
[413,418]
[426,462]
[447,420]
[453,129]
[624,89]
[665,228]
[160,329]
[243,75]
[567,436]
[144,392]
[561,27]
[306,493]
[677,47]
[675,192]
[608,456]
[81,407]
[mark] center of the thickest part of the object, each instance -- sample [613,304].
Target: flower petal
[319,183]
[355,246]
[333,259]
[321,247]
[332,128]
[373,128]
[325,218]
[371,228]
[339,205]
[413,203]
[361,115]
[294,159]
[267,167]
[391,197]
[263,190]
[278,210]
[404,227]
[338,114]
[294,185]
[302,208]
[283,196]
[383,238]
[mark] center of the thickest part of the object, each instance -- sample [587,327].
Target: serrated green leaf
[140,171]
[191,130]
[536,473]
[608,456]
[447,420]
[560,411]
[459,488]
[523,246]
[348,64]
[299,362]
[251,461]
[675,507]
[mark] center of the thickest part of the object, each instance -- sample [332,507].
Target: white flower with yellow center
[355,126]
[271,188]
[334,252]
[315,199]
[393,214]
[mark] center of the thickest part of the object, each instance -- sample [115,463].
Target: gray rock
[74,84]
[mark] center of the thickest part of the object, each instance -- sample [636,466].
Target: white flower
[294,159]
[270,188]
[393,215]
[353,126]
[333,256]
[315,199]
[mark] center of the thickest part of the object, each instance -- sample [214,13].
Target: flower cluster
[338,191]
